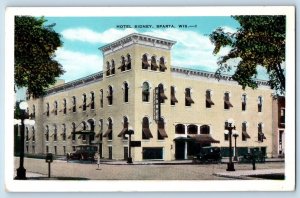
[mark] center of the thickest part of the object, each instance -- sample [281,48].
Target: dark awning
[163,96]
[162,132]
[228,103]
[174,99]
[84,132]
[146,64]
[123,132]
[154,65]
[183,139]
[122,66]
[147,133]
[246,134]
[204,139]
[98,135]
[210,101]
[107,133]
[262,135]
[189,99]
[163,66]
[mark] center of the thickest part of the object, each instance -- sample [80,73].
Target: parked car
[84,152]
[209,155]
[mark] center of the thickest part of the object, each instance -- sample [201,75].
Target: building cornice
[136,38]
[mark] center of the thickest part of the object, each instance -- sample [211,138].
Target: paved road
[108,171]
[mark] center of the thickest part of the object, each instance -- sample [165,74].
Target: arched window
[180,129]
[33,134]
[227,103]
[261,135]
[226,134]
[47,133]
[259,103]
[74,103]
[64,132]
[173,97]
[126,89]
[47,109]
[154,66]
[92,104]
[55,133]
[73,131]
[107,68]
[55,108]
[83,136]
[92,129]
[33,111]
[109,132]
[204,129]
[146,133]
[161,132]
[110,95]
[188,98]
[192,129]
[145,63]
[125,128]
[128,64]
[146,92]
[162,64]
[101,98]
[113,67]
[65,106]
[245,135]
[209,101]
[244,102]
[83,102]
[27,134]
[123,64]
[163,97]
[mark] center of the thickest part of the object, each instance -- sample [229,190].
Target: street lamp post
[229,129]
[235,135]
[129,132]
[21,171]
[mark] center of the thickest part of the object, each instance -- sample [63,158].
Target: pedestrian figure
[97,156]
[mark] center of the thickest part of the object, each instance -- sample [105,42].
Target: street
[110,171]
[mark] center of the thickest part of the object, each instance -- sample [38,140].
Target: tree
[260,40]
[35,44]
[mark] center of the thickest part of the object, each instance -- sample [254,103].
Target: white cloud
[229,29]
[77,64]
[90,36]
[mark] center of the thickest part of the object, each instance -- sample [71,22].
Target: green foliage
[260,40]
[35,44]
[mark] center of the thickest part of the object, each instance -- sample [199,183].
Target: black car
[84,152]
[209,155]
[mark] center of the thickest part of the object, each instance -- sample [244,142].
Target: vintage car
[83,152]
[209,155]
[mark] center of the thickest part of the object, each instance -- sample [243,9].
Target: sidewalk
[248,174]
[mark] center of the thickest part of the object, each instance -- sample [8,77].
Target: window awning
[98,135]
[84,132]
[163,96]
[204,138]
[183,139]
[246,134]
[262,135]
[107,133]
[123,132]
[147,133]
[162,132]
[189,99]
[174,99]
[228,103]
[210,101]
[154,65]
[122,66]
[163,66]
[146,64]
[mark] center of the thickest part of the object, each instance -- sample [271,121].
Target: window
[128,63]
[123,64]
[55,133]
[55,150]
[107,68]
[83,136]
[64,133]
[154,66]
[226,136]
[55,108]
[64,148]
[33,149]
[101,98]
[92,100]
[163,97]
[47,149]
[109,132]
[261,135]
[113,70]
[73,131]
[65,106]
[180,129]
[110,95]
[282,116]
[27,134]
[74,103]
[33,134]
[126,88]
[162,64]
[244,102]
[33,111]
[259,105]
[208,99]
[145,63]
[146,133]
[245,135]
[101,129]
[83,102]
[92,128]
[227,103]
[192,129]
[173,97]
[146,92]
[47,109]
[188,99]
[125,128]
[204,129]
[161,132]
[47,133]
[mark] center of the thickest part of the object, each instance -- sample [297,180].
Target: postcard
[150,99]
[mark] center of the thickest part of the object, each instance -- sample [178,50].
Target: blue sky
[82,36]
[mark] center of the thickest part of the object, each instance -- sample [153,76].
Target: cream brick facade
[136,45]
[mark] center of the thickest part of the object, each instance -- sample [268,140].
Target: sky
[82,36]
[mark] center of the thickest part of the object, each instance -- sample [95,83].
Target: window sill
[126,71]
[110,75]
[149,70]
[161,140]
[145,140]
[144,102]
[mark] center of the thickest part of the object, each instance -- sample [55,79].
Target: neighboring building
[279,127]
[194,107]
